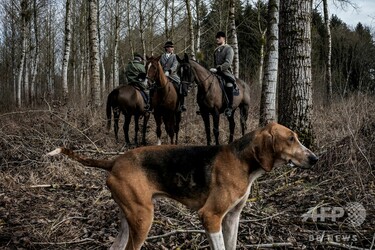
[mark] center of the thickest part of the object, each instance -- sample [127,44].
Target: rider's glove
[213,70]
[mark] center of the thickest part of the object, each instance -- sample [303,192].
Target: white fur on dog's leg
[122,238]
[216,240]
[230,229]
[54,152]
[159,142]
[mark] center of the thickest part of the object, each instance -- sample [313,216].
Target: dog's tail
[103,164]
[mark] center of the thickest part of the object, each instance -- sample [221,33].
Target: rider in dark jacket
[136,75]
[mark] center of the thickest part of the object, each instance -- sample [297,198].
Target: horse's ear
[186,57]
[148,58]
[158,58]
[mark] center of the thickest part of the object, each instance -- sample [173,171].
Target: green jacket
[133,69]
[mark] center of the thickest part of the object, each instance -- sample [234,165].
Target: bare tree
[115,46]
[295,85]
[191,29]
[263,41]
[198,27]
[94,53]
[328,45]
[68,36]
[36,54]
[233,37]
[141,26]
[24,18]
[268,97]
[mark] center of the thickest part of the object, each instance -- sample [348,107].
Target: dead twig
[175,232]
[270,245]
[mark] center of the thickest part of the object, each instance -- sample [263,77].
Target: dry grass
[54,203]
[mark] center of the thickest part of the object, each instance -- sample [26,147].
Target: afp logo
[355,212]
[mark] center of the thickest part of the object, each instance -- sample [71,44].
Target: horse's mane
[238,81]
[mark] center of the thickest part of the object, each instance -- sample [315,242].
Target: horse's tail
[111,100]
[103,164]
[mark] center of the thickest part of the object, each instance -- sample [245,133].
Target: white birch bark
[67,43]
[268,97]
[94,53]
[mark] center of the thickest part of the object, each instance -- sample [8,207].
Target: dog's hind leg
[123,236]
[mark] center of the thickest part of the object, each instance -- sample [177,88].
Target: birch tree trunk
[329,53]
[68,36]
[94,53]
[191,29]
[262,45]
[198,27]
[166,27]
[295,86]
[130,41]
[233,37]
[268,97]
[141,26]
[115,47]
[23,15]
[35,63]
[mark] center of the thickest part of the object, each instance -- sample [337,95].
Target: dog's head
[277,145]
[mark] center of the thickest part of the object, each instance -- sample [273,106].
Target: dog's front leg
[212,223]
[216,240]
[122,238]
[231,223]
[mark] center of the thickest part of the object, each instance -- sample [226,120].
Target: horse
[211,100]
[127,99]
[164,100]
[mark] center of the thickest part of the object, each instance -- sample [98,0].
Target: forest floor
[55,203]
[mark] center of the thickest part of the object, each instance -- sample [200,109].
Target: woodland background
[56,204]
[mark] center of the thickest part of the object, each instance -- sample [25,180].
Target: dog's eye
[291,139]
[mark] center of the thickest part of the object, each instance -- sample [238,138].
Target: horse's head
[185,71]
[154,71]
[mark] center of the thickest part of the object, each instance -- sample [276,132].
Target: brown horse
[211,98]
[128,100]
[164,100]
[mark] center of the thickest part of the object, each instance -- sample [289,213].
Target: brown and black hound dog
[213,180]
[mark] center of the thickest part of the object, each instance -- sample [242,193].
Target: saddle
[143,94]
[236,90]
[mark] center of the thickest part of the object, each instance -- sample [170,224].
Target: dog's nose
[313,159]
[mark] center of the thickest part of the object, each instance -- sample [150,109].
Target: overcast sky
[365,12]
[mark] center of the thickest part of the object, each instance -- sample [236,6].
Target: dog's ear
[264,150]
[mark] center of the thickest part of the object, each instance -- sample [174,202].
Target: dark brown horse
[164,100]
[211,98]
[128,100]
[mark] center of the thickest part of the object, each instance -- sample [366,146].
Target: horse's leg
[128,118]
[169,122]
[158,127]
[116,117]
[146,117]
[244,113]
[136,128]
[216,120]
[177,126]
[207,127]
[232,126]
